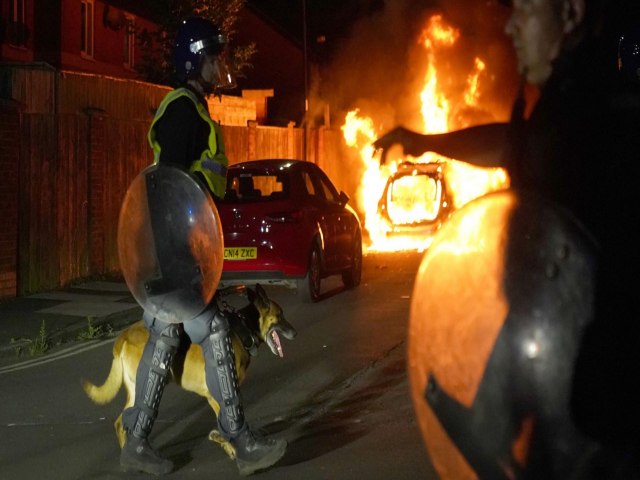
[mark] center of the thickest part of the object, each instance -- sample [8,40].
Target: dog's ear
[251,295]
[261,293]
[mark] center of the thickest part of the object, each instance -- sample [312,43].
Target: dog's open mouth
[273,340]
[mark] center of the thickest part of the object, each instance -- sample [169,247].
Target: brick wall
[9,158]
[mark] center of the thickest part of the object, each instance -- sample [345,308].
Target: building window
[17,32]
[86,28]
[129,41]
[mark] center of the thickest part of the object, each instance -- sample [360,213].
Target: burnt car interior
[415,195]
[414,199]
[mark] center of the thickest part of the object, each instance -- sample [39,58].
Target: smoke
[380,67]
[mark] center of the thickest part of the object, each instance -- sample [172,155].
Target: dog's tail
[109,389]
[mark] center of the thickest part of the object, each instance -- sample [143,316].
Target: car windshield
[255,186]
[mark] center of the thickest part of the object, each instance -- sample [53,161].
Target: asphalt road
[339,396]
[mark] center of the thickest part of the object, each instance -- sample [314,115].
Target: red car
[285,223]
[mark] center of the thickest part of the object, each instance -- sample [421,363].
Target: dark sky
[331,24]
[288,13]
[331,19]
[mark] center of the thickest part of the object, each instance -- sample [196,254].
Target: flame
[463,181]
[472,94]
[438,33]
[435,106]
[360,133]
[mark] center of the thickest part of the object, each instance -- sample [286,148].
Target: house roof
[144,8]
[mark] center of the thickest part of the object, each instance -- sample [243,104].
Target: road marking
[59,355]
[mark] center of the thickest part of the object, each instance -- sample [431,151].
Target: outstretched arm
[481,145]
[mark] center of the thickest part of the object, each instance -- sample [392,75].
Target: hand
[412,142]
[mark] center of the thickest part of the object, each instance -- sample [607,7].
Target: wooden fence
[73,170]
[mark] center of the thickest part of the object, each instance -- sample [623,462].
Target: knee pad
[199,328]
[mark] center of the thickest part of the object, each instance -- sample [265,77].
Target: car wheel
[351,277]
[309,286]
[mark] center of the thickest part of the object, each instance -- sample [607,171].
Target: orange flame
[435,106]
[359,133]
[464,181]
[437,33]
[472,94]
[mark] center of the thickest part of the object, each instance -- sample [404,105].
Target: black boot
[254,452]
[138,455]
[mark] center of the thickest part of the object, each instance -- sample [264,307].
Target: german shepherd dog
[262,317]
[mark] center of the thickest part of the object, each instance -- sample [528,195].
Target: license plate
[240,253]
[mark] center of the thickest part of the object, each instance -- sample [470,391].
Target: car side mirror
[343,198]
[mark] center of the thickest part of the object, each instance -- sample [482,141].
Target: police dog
[262,317]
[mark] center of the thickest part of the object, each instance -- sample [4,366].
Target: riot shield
[500,304]
[170,243]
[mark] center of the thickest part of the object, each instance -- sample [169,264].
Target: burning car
[415,199]
[459,90]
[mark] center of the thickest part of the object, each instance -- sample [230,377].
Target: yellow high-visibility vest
[213,161]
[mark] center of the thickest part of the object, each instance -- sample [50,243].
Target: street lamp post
[306,78]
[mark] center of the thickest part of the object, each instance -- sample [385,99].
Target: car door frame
[336,222]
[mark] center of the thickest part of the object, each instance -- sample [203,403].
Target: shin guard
[221,376]
[151,379]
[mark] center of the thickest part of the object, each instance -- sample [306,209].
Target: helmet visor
[221,77]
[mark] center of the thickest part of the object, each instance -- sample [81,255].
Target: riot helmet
[196,39]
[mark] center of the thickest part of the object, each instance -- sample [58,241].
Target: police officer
[183,134]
